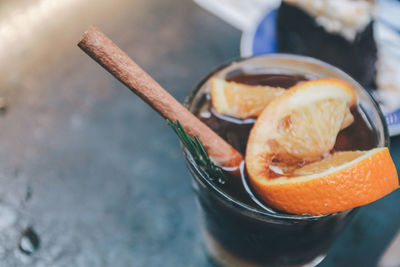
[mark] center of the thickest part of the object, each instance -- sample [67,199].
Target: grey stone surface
[99,177]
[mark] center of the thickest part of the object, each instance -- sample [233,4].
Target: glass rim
[244,208]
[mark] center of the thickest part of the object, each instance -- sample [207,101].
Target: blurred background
[89,174]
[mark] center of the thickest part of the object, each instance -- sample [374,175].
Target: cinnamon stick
[99,47]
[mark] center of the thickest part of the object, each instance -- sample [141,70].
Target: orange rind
[342,181]
[290,159]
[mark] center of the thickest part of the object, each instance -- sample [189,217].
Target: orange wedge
[288,153]
[303,122]
[342,181]
[241,100]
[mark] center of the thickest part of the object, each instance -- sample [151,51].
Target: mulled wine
[241,230]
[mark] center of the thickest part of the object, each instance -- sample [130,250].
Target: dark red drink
[238,228]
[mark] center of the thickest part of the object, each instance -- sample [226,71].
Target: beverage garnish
[241,100]
[290,159]
[98,46]
[198,152]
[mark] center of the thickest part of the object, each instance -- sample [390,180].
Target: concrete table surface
[89,174]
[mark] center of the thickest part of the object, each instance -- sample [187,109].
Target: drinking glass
[237,234]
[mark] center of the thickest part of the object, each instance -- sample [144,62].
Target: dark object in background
[298,33]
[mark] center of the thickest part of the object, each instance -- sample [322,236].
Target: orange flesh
[241,100]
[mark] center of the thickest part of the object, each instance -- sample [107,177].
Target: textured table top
[90,175]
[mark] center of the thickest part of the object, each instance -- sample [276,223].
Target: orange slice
[299,128]
[342,181]
[302,123]
[241,100]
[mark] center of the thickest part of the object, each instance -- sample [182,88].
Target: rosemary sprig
[198,152]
